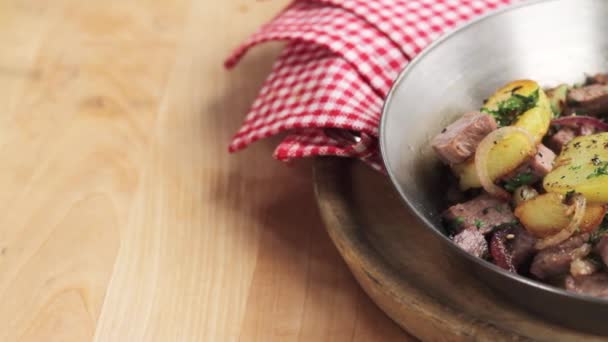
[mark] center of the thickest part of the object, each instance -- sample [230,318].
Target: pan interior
[551,42]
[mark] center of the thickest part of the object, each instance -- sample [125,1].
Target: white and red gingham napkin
[327,87]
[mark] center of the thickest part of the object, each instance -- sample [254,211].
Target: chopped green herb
[510,109]
[574,168]
[459,220]
[498,208]
[523,178]
[478,223]
[601,170]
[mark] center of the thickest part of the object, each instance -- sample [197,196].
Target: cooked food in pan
[529,175]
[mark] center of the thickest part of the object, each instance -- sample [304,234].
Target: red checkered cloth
[327,87]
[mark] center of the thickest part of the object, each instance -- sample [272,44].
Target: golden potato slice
[546,215]
[536,120]
[582,167]
[514,149]
[504,158]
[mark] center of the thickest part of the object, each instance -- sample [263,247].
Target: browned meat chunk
[511,248]
[537,167]
[522,247]
[501,251]
[542,162]
[590,100]
[602,249]
[459,140]
[555,261]
[598,79]
[559,139]
[472,241]
[593,285]
[482,213]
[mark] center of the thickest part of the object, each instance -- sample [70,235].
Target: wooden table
[124,219]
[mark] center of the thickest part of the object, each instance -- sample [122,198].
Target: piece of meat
[472,241]
[542,162]
[597,79]
[522,247]
[500,250]
[512,248]
[595,285]
[601,248]
[554,261]
[559,139]
[589,100]
[483,213]
[457,142]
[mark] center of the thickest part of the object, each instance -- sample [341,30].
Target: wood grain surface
[124,218]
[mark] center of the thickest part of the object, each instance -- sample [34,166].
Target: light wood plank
[124,217]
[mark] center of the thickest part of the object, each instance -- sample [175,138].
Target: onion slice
[579,206]
[482,154]
[577,121]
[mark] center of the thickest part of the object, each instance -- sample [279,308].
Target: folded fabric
[327,87]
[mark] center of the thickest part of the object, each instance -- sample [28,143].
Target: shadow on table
[300,285]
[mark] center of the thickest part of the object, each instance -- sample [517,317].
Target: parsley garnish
[510,109]
[523,178]
[478,223]
[574,168]
[601,170]
[459,220]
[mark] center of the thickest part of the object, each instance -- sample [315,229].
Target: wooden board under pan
[403,269]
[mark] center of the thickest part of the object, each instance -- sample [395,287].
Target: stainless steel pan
[550,41]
